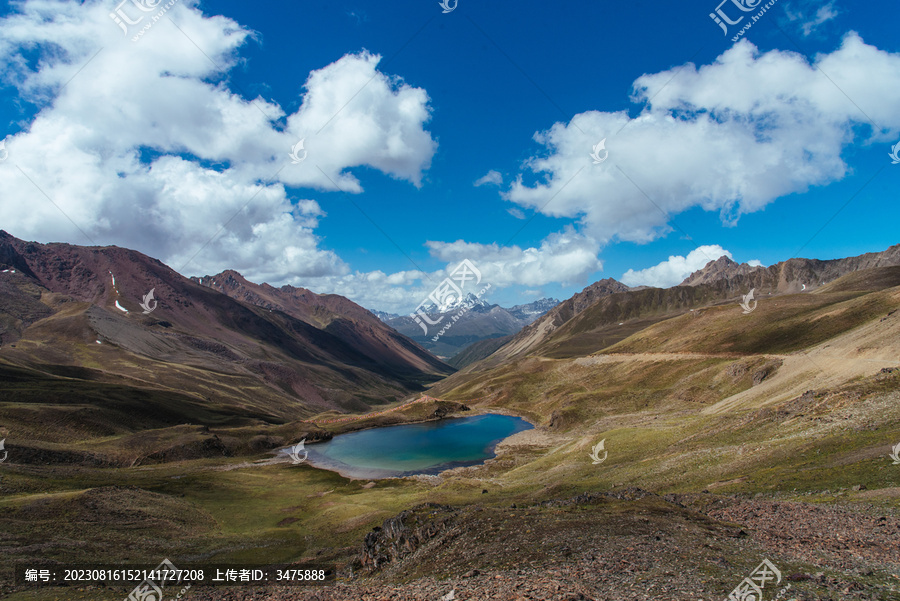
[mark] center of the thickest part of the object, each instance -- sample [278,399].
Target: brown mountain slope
[65,306]
[535,332]
[603,315]
[337,315]
[793,275]
[721,268]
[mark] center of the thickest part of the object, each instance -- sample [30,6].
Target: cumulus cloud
[382,126]
[564,257]
[674,270]
[143,144]
[397,292]
[731,137]
[491,177]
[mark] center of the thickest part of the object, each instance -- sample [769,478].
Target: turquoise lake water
[426,448]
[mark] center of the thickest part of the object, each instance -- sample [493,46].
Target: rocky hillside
[722,268]
[607,312]
[560,314]
[793,275]
[266,353]
[337,315]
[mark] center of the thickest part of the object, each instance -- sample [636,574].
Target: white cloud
[809,24]
[219,160]
[517,213]
[491,177]
[380,125]
[755,263]
[730,137]
[397,293]
[674,270]
[565,257]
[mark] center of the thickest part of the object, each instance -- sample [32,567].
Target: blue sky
[177,144]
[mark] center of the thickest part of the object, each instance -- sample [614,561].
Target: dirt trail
[863,351]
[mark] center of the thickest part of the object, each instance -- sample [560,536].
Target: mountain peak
[453,303]
[721,268]
[598,289]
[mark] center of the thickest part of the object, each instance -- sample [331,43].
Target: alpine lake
[410,449]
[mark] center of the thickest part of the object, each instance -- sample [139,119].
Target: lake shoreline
[352,473]
[467,413]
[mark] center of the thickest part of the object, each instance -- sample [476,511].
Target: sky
[368,148]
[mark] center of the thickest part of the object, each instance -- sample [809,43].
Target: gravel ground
[637,547]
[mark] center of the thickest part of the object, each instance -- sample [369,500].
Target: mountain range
[478,322]
[251,351]
[722,421]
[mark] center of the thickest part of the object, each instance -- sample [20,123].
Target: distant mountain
[561,313]
[453,303]
[480,321]
[721,268]
[227,345]
[532,311]
[607,311]
[384,315]
[793,275]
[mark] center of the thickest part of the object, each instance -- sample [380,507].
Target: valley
[729,438]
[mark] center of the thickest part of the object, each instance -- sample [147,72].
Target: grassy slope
[660,399]
[477,351]
[652,397]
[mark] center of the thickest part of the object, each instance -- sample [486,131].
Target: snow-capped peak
[453,303]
